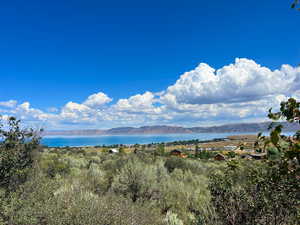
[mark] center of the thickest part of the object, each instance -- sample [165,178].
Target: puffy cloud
[24,111]
[243,81]
[242,91]
[24,107]
[97,100]
[140,103]
[87,112]
[74,111]
[9,104]
[31,116]
[75,107]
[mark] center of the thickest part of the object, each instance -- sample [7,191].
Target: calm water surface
[55,141]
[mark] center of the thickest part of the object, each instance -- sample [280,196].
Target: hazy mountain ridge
[242,127]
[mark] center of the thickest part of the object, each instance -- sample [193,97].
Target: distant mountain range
[241,128]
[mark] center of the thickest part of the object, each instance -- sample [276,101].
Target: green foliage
[273,153]
[54,165]
[289,110]
[186,194]
[254,193]
[197,150]
[231,154]
[121,150]
[110,189]
[179,163]
[173,163]
[206,154]
[160,150]
[17,148]
[289,147]
[263,192]
[139,181]
[52,202]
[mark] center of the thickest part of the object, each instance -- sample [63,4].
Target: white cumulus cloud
[138,103]
[97,100]
[243,81]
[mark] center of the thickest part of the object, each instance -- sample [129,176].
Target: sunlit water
[59,141]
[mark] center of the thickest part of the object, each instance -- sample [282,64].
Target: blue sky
[56,52]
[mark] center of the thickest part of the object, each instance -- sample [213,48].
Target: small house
[176,152]
[219,157]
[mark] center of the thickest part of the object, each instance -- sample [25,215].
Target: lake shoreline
[81,141]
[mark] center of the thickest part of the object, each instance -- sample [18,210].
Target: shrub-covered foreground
[100,188]
[48,187]
[103,189]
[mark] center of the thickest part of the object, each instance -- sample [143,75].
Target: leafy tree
[121,150]
[204,154]
[143,148]
[241,145]
[160,150]
[17,149]
[197,150]
[231,154]
[289,147]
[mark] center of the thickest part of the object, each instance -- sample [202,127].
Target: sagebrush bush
[178,163]
[186,194]
[139,181]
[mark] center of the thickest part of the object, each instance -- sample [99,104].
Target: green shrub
[139,181]
[255,193]
[53,165]
[231,154]
[178,163]
[185,194]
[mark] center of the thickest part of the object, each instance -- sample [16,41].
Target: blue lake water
[59,141]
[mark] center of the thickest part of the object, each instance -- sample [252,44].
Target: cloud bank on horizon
[239,92]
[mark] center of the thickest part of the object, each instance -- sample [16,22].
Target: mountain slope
[242,127]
